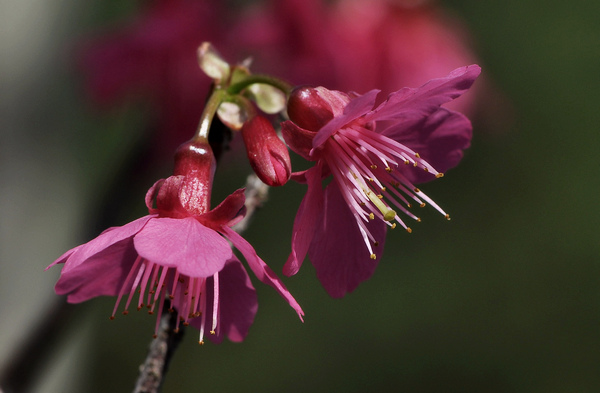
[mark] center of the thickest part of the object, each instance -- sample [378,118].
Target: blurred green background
[503,298]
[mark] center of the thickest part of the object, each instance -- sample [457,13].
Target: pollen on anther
[201,342]
[371,216]
[373,256]
[384,189]
[439,175]
[423,204]
[213,332]
[408,230]
[373,166]
[406,162]
[417,155]
[393,226]
[418,219]
[415,164]
[379,196]
[388,169]
[448,217]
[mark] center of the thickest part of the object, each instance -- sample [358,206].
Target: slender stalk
[215,99]
[237,88]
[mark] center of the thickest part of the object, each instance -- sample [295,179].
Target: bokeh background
[503,298]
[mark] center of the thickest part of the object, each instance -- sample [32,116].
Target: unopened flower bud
[313,107]
[268,155]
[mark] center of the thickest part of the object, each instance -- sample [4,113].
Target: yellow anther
[371,179]
[415,164]
[379,196]
[408,230]
[388,169]
[371,216]
[425,169]
[417,155]
[201,342]
[406,162]
[393,226]
[383,189]
[373,166]
[448,217]
[422,204]
[373,256]
[439,175]
[213,332]
[408,205]
[418,219]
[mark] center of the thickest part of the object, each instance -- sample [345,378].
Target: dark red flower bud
[308,109]
[268,155]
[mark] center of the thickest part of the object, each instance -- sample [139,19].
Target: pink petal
[260,268]
[106,239]
[355,109]
[101,274]
[237,302]
[338,250]
[440,141]
[229,210]
[151,194]
[185,244]
[305,222]
[297,138]
[410,104]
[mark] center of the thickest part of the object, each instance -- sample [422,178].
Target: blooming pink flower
[356,45]
[152,58]
[180,252]
[376,155]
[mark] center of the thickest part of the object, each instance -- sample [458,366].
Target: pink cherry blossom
[376,155]
[178,253]
[356,45]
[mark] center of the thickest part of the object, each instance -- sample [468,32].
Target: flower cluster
[180,256]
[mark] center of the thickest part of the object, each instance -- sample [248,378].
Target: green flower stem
[237,88]
[216,98]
